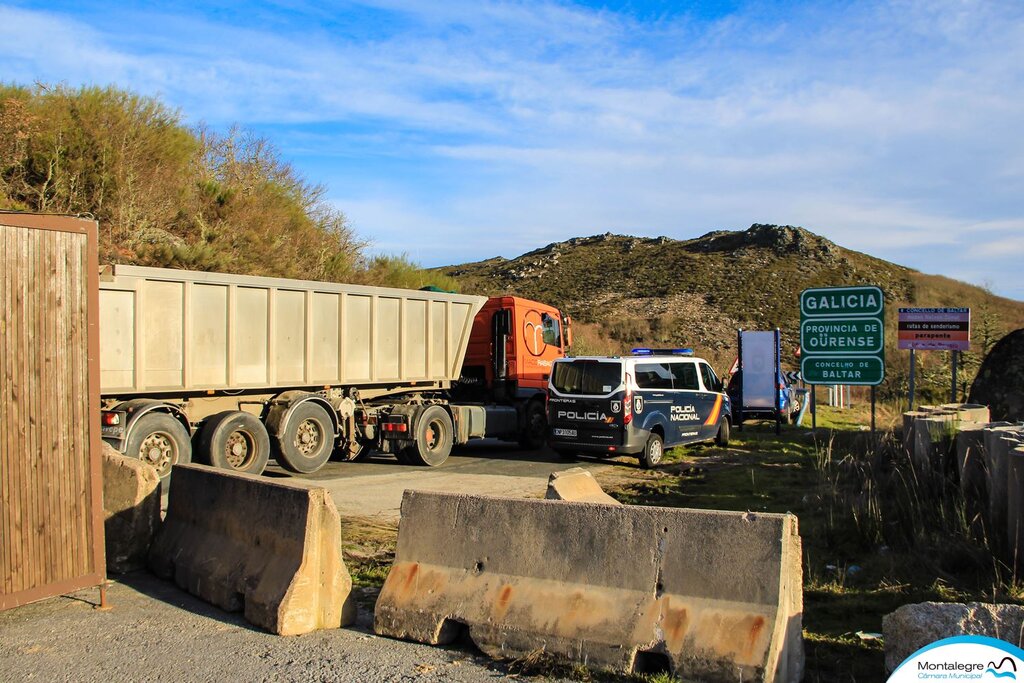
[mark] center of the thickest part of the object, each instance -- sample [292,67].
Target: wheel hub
[237,449]
[158,450]
[308,437]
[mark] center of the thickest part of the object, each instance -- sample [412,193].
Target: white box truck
[236,369]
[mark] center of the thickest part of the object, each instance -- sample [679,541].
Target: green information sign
[842,335]
[842,370]
[841,302]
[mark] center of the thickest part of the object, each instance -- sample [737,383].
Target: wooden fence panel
[51,524]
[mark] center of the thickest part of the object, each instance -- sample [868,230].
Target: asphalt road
[156,632]
[373,488]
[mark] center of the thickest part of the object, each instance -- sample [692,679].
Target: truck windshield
[586,377]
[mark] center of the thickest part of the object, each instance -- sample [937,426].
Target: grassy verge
[874,538]
[369,551]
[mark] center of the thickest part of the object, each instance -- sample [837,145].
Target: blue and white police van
[635,405]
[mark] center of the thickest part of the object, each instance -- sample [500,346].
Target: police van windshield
[586,377]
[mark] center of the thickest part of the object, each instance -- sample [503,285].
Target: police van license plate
[558,431]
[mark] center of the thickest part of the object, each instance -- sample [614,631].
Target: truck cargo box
[165,330]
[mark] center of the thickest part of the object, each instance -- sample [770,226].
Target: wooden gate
[51,523]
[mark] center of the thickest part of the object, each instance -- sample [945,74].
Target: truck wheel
[236,441]
[535,427]
[434,437]
[654,449]
[722,438]
[161,441]
[307,440]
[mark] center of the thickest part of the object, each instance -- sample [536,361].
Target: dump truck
[232,370]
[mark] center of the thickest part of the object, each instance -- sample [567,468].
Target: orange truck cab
[512,345]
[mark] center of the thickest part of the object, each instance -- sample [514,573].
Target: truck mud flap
[269,547]
[707,595]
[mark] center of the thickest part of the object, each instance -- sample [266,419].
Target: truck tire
[160,440]
[407,456]
[307,440]
[653,452]
[535,427]
[434,437]
[722,437]
[235,441]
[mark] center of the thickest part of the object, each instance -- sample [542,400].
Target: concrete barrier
[968,412]
[577,484]
[1015,507]
[973,471]
[709,595]
[269,546]
[131,510]
[933,443]
[995,455]
[908,429]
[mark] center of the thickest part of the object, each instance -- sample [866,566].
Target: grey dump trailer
[235,369]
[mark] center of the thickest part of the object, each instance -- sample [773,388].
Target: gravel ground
[156,632]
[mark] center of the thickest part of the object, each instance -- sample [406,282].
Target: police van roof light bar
[661,352]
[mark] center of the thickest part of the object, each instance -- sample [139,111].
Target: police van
[635,405]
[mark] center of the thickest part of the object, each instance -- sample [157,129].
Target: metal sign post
[842,337]
[910,392]
[814,409]
[739,361]
[778,382]
[952,387]
[872,414]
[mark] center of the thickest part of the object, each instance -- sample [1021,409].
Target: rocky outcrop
[911,627]
[1000,381]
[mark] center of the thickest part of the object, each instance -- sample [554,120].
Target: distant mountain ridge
[636,290]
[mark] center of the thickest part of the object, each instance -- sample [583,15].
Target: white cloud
[883,125]
[1004,249]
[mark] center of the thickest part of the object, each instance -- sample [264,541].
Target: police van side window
[711,381]
[653,376]
[684,376]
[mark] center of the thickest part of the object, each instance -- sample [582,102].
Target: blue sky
[458,131]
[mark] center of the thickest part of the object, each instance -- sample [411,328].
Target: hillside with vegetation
[167,194]
[626,291]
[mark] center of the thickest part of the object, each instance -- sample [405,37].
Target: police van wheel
[566,455]
[722,438]
[654,449]
[535,427]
